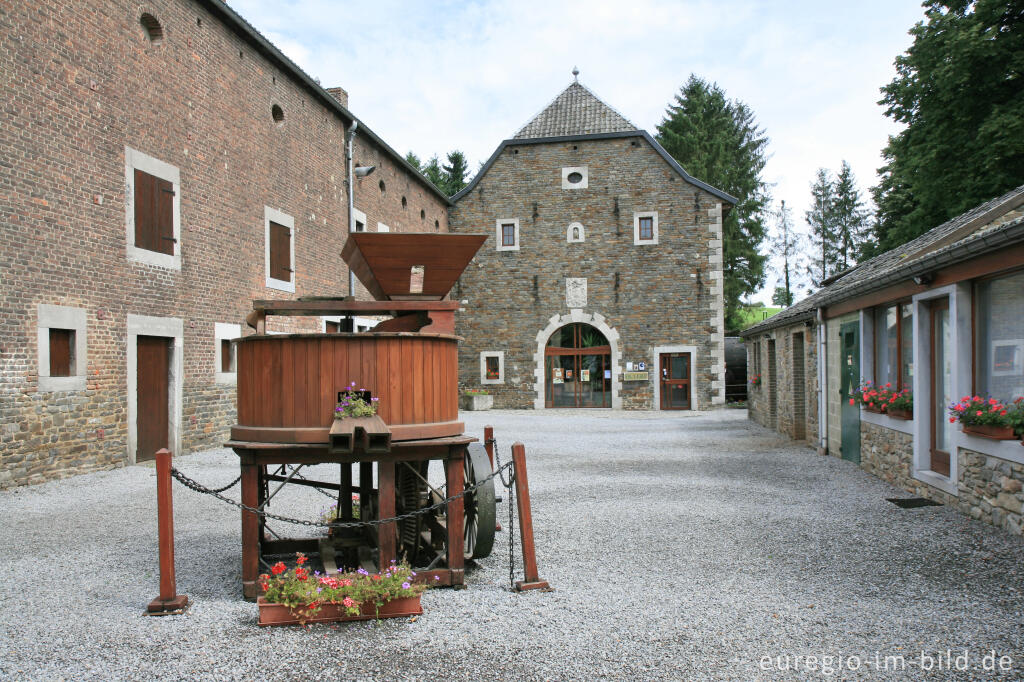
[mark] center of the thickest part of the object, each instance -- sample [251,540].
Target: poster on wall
[607,374]
[584,375]
[568,374]
[556,376]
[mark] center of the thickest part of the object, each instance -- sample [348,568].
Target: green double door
[849,380]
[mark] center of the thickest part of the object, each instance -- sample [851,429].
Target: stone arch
[557,322]
[575,233]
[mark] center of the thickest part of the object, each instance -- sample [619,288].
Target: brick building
[600,284]
[164,165]
[941,317]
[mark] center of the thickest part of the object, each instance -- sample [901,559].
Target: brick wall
[83,81]
[650,296]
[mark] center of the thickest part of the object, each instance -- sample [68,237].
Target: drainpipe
[822,384]
[349,137]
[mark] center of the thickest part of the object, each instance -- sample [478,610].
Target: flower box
[897,413]
[990,431]
[473,402]
[873,408]
[279,614]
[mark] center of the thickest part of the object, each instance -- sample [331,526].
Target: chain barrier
[200,488]
[511,506]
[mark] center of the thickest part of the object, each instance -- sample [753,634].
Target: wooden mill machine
[289,385]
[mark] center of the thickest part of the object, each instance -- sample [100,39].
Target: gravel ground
[683,546]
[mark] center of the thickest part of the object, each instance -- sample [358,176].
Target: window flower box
[990,431]
[897,413]
[279,614]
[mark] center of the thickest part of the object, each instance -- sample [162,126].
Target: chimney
[340,95]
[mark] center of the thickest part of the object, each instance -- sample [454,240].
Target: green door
[849,380]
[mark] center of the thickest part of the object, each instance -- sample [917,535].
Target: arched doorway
[578,367]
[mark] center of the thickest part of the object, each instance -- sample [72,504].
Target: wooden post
[532,581]
[454,521]
[387,533]
[345,492]
[169,601]
[250,526]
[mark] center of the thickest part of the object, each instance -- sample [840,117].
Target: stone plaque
[576,292]
[635,376]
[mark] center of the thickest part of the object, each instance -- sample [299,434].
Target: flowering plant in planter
[355,403]
[883,397]
[978,411]
[476,391]
[305,592]
[755,380]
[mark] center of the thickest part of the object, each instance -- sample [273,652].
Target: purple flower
[363,571]
[405,586]
[437,577]
[413,572]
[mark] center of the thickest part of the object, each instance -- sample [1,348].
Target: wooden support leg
[345,493]
[169,600]
[532,582]
[454,517]
[387,538]
[250,529]
[365,483]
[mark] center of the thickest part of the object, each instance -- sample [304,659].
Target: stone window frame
[136,160]
[225,331]
[569,170]
[498,234]
[172,328]
[62,317]
[381,227]
[273,215]
[358,218]
[569,237]
[484,354]
[637,215]
[655,365]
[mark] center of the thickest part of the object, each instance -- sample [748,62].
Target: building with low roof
[941,316]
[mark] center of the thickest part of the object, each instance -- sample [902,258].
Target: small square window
[645,227]
[381,227]
[279,235]
[226,352]
[491,370]
[61,348]
[492,367]
[507,235]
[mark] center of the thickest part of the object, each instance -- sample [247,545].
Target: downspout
[822,384]
[349,137]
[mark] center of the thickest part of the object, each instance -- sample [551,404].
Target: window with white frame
[645,227]
[575,233]
[999,337]
[894,345]
[225,352]
[575,177]
[492,367]
[507,234]
[61,348]
[358,220]
[152,210]
[381,227]
[279,238]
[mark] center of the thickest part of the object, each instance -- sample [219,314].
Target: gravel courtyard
[681,546]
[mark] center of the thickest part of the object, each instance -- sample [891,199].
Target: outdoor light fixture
[363,171]
[924,279]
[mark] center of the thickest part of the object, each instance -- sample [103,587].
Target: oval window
[575,178]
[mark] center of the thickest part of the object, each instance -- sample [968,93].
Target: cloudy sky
[432,77]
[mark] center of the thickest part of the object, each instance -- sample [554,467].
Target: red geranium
[278,568]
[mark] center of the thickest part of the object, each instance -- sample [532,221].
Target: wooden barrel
[288,385]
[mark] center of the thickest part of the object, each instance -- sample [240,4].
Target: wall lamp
[924,279]
[363,171]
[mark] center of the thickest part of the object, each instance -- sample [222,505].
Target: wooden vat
[288,385]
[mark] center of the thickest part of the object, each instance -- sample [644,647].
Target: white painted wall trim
[170,327]
[500,354]
[557,322]
[134,159]
[887,422]
[637,215]
[569,170]
[358,217]
[61,317]
[273,215]
[656,373]
[572,239]
[223,331]
[381,227]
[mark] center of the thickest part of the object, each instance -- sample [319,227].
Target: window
[575,233]
[226,352]
[381,227]
[575,177]
[492,367]
[358,220]
[894,345]
[61,348]
[645,227]
[279,233]
[999,341]
[507,235]
[152,210]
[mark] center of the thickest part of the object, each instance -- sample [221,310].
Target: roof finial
[575,75]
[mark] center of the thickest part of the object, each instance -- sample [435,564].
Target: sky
[433,77]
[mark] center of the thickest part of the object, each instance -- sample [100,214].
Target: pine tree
[850,219]
[455,172]
[413,161]
[824,260]
[787,247]
[718,141]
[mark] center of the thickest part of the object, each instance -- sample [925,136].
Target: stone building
[942,317]
[600,284]
[164,165]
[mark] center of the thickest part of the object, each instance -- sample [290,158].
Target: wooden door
[675,381]
[849,377]
[153,395]
[941,386]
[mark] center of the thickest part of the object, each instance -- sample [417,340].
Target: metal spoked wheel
[479,505]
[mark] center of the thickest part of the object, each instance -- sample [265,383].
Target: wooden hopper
[409,266]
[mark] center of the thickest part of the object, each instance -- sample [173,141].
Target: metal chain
[229,485]
[511,521]
[200,488]
[316,488]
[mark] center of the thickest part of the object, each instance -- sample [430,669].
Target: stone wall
[664,294]
[789,378]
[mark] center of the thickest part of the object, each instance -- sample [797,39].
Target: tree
[821,218]
[850,219]
[718,141]
[455,172]
[959,90]
[787,247]
[431,170]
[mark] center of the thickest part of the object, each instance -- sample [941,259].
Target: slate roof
[576,111]
[983,229]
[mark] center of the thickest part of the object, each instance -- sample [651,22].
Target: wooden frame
[901,381]
[665,363]
[577,352]
[974,319]
[939,459]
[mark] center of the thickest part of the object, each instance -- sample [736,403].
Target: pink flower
[952,420]
[851,401]
[978,413]
[348,602]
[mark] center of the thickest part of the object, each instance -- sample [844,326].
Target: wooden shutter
[225,355]
[154,213]
[61,342]
[280,252]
